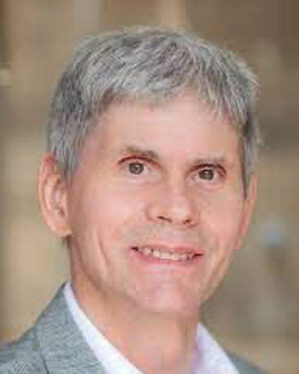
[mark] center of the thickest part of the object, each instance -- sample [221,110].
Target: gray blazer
[54,345]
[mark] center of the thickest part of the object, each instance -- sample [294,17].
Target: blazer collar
[62,345]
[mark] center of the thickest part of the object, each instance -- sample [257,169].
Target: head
[152,65]
[152,144]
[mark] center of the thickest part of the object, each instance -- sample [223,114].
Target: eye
[139,170]
[133,166]
[136,167]
[207,174]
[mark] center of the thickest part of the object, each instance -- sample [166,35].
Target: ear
[52,196]
[248,209]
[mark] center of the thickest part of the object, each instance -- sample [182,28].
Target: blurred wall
[255,311]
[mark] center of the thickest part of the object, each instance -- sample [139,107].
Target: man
[149,181]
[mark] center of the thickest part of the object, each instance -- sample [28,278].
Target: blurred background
[255,311]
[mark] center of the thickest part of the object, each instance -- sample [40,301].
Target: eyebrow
[147,153]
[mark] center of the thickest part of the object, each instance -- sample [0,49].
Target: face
[156,207]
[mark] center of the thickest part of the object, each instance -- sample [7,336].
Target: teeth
[163,255]
[147,251]
[156,253]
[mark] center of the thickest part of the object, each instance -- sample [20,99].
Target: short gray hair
[153,64]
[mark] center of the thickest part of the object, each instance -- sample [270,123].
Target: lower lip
[154,260]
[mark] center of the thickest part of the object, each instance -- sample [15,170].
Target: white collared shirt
[210,357]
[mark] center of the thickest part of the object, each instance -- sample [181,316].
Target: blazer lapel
[62,345]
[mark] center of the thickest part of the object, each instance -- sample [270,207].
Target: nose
[174,204]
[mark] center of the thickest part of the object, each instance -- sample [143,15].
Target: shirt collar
[210,357]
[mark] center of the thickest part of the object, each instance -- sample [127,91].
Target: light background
[255,311]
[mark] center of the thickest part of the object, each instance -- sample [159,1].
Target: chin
[178,306]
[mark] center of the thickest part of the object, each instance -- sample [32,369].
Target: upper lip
[174,247]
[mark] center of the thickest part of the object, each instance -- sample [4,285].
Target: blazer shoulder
[244,366]
[22,356]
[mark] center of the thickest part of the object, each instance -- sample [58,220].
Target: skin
[165,177]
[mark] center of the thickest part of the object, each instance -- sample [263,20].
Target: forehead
[183,127]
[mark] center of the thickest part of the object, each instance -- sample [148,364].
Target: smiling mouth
[163,255]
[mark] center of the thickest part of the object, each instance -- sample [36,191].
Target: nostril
[164,218]
[185,222]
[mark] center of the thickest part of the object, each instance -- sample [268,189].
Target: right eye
[135,167]
[138,169]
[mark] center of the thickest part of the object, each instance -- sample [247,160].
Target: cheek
[229,226]
[224,218]
[105,208]
[118,210]
[224,224]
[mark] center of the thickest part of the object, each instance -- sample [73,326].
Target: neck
[154,342]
